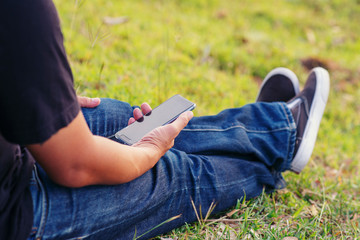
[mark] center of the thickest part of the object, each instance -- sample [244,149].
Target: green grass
[216,53]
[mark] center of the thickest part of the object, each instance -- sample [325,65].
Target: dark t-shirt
[37,98]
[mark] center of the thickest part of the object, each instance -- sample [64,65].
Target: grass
[216,53]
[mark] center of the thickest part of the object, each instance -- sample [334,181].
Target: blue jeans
[235,154]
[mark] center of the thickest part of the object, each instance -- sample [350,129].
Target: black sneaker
[307,109]
[279,85]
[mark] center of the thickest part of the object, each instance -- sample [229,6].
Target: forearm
[108,162]
[74,157]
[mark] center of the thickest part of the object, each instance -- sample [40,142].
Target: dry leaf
[313,210]
[229,214]
[310,35]
[115,20]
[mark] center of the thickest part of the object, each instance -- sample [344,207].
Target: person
[63,175]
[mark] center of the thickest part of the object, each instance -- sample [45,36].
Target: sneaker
[307,109]
[279,85]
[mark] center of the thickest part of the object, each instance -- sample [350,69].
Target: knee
[109,103]
[108,108]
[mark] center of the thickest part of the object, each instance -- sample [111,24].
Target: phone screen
[163,114]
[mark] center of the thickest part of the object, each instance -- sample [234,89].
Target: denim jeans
[222,158]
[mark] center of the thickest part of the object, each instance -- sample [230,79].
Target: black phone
[163,114]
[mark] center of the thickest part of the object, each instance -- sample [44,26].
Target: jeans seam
[289,120]
[44,206]
[292,128]
[233,127]
[225,185]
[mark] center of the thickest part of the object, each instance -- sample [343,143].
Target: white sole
[312,127]
[285,72]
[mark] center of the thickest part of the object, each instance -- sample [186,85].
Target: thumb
[181,122]
[88,102]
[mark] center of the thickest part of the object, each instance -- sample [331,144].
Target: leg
[108,118]
[223,175]
[255,131]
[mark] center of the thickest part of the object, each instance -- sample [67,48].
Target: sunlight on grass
[216,53]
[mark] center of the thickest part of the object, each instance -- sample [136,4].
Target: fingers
[88,102]
[139,114]
[145,108]
[131,120]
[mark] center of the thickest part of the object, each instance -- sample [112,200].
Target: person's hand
[138,114]
[88,102]
[161,139]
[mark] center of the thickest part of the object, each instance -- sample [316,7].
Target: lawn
[216,53]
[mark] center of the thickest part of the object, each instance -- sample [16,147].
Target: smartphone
[163,114]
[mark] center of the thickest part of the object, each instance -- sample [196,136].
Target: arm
[74,157]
